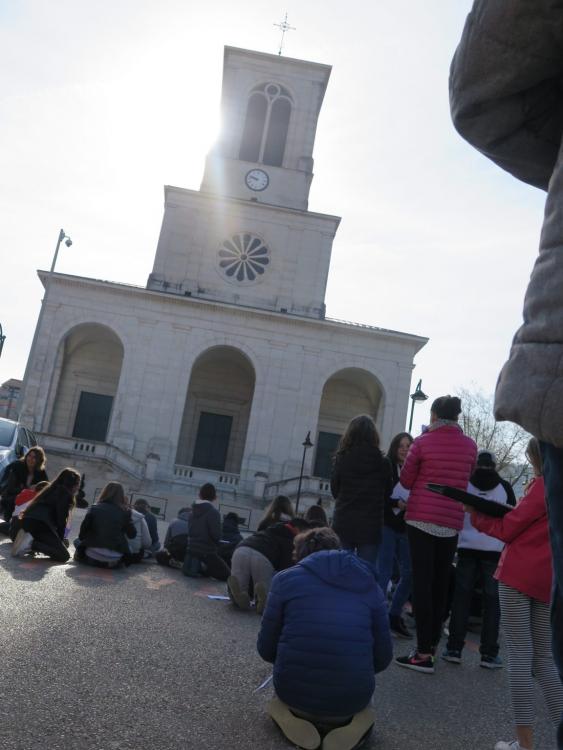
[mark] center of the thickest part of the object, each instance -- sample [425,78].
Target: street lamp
[2,339]
[68,243]
[306,445]
[418,395]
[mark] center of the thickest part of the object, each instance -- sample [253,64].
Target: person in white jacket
[477,559]
[142,541]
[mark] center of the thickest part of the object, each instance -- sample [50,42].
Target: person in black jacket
[360,481]
[280,509]
[204,535]
[230,537]
[105,529]
[257,558]
[395,545]
[477,559]
[44,520]
[22,474]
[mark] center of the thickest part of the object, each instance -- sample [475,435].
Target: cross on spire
[283,26]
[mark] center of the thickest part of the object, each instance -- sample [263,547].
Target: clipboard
[481,504]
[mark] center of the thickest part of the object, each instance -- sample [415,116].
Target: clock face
[257,179]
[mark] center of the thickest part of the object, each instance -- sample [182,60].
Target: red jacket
[443,455]
[525,563]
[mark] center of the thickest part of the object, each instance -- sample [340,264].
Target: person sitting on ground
[141,542]
[258,558]
[105,529]
[23,500]
[316,517]
[143,507]
[44,520]
[477,559]
[175,541]
[21,474]
[204,534]
[280,509]
[325,629]
[230,537]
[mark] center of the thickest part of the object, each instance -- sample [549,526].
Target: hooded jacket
[178,527]
[443,455]
[142,540]
[326,630]
[505,97]
[489,484]
[360,481]
[204,531]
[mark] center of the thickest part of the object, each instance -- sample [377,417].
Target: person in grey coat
[506,99]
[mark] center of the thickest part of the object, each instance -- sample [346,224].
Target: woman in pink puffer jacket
[443,455]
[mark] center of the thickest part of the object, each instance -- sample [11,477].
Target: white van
[15,441]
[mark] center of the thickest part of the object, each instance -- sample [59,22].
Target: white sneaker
[513,745]
[22,544]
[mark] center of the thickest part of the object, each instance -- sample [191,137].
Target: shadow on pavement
[26,569]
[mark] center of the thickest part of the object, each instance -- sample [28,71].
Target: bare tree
[505,439]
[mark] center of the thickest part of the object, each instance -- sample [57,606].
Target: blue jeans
[469,571]
[553,476]
[395,544]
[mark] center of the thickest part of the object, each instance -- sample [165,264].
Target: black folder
[489,507]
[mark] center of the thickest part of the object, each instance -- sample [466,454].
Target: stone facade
[222,365]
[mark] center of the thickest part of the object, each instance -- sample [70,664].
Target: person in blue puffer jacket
[326,630]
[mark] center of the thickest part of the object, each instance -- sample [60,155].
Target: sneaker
[260,596]
[453,655]
[22,544]
[513,745]
[176,564]
[298,731]
[416,662]
[398,627]
[351,735]
[239,597]
[491,662]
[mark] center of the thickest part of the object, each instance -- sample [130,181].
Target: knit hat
[486,459]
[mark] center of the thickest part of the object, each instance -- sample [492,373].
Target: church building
[221,367]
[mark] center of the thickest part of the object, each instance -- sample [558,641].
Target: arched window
[265,128]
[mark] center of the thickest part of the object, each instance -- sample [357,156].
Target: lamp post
[2,339]
[68,242]
[418,395]
[306,445]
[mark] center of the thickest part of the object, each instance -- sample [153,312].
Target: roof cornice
[243,310]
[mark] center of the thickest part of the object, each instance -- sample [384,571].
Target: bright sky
[103,103]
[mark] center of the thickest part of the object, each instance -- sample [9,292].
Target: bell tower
[246,237]
[270,106]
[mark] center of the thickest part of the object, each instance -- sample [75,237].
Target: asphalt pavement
[142,659]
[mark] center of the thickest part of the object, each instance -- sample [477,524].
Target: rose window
[243,258]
